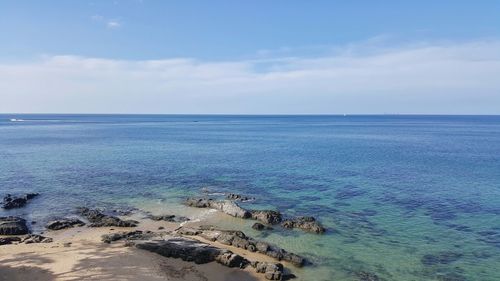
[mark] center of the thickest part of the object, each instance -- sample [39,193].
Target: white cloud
[460,78]
[109,23]
[113,24]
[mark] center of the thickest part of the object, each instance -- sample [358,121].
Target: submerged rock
[11,202]
[305,223]
[238,197]
[13,226]
[441,258]
[367,276]
[64,223]
[98,219]
[259,226]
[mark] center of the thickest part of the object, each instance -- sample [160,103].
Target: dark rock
[98,219]
[305,223]
[30,196]
[239,239]
[230,259]
[199,202]
[267,216]
[238,197]
[440,258]
[259,226]
[9,240]
[11,202]
[64,223]
[185,249]
[169,218]
[272,271]
[35,238]
[13,226]
[201,253]
[224,206]
[130,235]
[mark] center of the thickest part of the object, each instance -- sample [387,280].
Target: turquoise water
[403,197]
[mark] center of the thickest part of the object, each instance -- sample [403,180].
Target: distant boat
[16,120]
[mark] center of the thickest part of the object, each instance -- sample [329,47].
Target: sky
[250,57]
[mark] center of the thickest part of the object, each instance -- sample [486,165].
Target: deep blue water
[403,197]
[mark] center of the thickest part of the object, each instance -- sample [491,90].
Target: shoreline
[80,252]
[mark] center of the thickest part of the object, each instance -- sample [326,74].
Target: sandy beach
[79,254]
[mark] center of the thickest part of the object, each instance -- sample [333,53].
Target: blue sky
[250,56]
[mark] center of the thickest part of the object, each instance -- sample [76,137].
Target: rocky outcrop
[29,239]
[238,197]
[35,238]
[267,216]
[308,224]
[230,259]
[169,218]
[182,248]
[272,271]
[13,226]
[64,223]
[259,226]
[198,252]
[98,219]
[305,223]
[127,235]
[239,239]
[11,202]
[225,206]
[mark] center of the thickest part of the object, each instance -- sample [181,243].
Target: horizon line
[258,114]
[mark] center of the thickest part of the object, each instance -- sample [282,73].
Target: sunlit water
[403,197]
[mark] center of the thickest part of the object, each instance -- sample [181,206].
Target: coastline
[81,252]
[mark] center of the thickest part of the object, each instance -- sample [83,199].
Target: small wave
[16,120]
[201,217]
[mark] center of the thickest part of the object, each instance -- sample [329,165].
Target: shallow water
[403,197]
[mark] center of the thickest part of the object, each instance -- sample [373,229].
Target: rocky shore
[172,236]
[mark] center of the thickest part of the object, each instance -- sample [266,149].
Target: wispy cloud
[109,23]
[113,24]
[459,78]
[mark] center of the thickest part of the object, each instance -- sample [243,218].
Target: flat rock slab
[99,219]
[64,223]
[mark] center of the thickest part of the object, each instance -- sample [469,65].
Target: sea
[403,197]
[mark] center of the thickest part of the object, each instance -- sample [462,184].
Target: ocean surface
[403,197]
